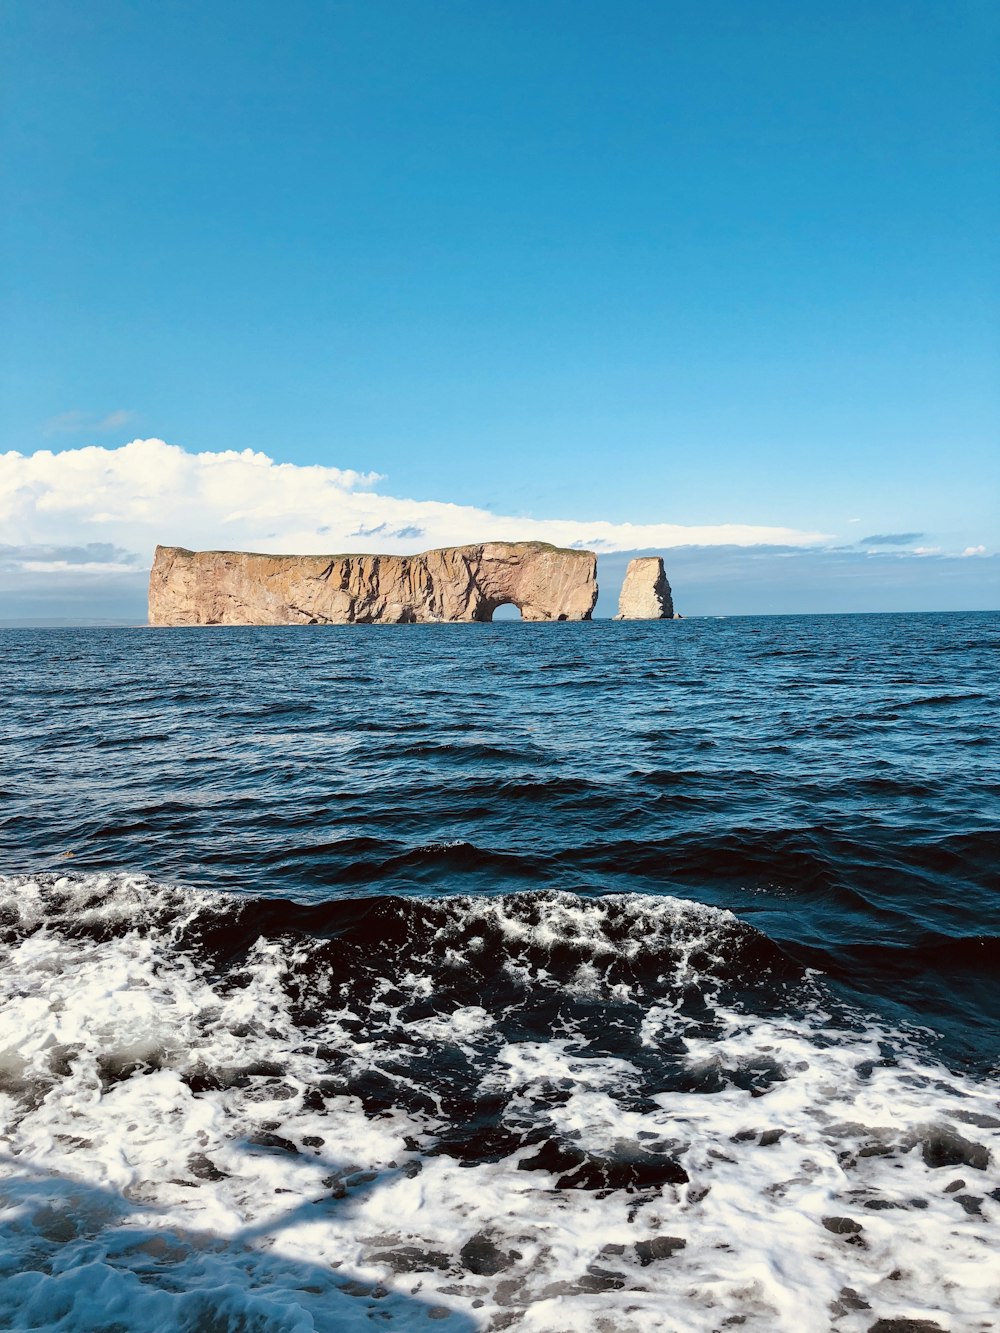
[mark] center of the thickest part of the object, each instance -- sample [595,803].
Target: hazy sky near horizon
[699,268]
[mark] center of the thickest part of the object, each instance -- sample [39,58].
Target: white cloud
[974,550]
[148,492]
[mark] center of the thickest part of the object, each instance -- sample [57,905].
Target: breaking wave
[535,1110]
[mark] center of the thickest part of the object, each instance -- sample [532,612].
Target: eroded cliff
[454,583]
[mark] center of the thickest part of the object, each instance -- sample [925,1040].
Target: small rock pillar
[645,593]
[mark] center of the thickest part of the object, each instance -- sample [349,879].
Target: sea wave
[532,1110]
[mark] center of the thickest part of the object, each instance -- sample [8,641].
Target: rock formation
[645,593]
[454,583]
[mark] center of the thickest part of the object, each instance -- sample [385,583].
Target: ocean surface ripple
[601,976]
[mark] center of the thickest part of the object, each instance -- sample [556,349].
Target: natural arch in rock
[453,583]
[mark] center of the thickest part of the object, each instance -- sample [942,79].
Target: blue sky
[692,264]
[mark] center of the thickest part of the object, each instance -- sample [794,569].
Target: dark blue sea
[605,977]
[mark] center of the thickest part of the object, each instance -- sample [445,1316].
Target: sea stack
[454,583]
[645,593]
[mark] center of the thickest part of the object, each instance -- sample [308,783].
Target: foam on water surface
[215,1122]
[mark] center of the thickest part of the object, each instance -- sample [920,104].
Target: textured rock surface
[454,583]
[645,593]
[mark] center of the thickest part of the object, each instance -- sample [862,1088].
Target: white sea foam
[820,1193]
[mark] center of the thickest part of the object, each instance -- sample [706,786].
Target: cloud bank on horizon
[78,527]
[148,491]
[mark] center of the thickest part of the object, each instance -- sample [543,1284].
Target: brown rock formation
[645,593]
[454,583]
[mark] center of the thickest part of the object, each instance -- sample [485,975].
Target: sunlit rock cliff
[454,583]
[645,593]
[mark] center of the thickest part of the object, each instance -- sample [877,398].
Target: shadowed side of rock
[457,583]
[645,593]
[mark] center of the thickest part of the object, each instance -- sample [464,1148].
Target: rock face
[645,593]
[454,583]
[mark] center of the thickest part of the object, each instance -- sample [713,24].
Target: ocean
[604,978]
